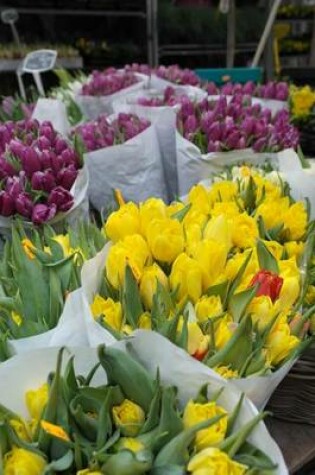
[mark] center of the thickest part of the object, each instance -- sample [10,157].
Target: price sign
[39,61]
[9,16]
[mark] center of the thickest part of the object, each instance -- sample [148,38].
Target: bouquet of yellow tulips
[37,274]
[134,424]
[219,275]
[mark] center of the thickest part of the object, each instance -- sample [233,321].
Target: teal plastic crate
[223,75]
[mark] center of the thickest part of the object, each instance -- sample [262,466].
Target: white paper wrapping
[302,184]
[193,166]
[17,375]
[134,167]
[53,110]
[93,106]
[195,93]
[164,121]
[70,330]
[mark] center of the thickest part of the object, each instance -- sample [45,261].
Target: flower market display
[38,169]
[133,424]
[184,294]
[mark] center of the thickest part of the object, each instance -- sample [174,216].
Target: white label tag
[39,61]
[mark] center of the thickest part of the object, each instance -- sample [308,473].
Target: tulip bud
[7,207]
[61,198]
[6,169]
[148,284]
[14,186]
[24,205]
[43,181]
[30,161]
[42,213]
[66,177]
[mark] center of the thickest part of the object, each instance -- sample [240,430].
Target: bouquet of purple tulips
[220,126]
[37,170]
[110,81]
[173,73]
[102,133]
[272,90]
[15,108]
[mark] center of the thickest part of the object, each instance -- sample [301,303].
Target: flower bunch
[270,90]
[14,108]
[302,100]
[37,170]
[173,73]
[104,83]
[218,276]
[170,97]
[37,274]
[218,126]
[131,425]
[103,132]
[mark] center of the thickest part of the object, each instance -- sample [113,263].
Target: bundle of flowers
[132,425]
[103,132]
[219,126]
[38,169]
[170,97]
[218,276]
[301,103]
[104,83]
[15,108]
[37,274]
[69,86]
[174,73]
[271,90]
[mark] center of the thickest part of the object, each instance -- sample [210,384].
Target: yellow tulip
[212,461]
[195,216]
[219,229]
[186,276]
[294,249]
[28,247]
[226,372]
[272,211]
[132,250]
[64,242]
[275,248]
[289,268]
[211,256]
[20,428]
[213,435]
[128,417]
[193,235]
[224,331]
[123,222]
[198,343]
[280,342]
[110,311]
[199,198]
[145,321]
[153,208]
[174,208]
[208,307]
[302,100]
[166,239]
[262,311]
[36,400]
[289,294]
[244,231]
[295,222]
[223,191]
[148,283]
[87,471]
[228,208]
[129,443]
[234,263]
[23,462]
[310,295]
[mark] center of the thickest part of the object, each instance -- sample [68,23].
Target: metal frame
[150,15]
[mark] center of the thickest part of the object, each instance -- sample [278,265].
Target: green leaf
[63,463]
[180,215]
[266,260]
[239,302]
[131,299]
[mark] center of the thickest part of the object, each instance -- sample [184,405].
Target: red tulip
[270,284]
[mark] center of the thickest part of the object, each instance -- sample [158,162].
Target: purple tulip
[7,207]
[260,144]
[232,140]
[14,186]
[17,148]
[46,130]
[43,213]
[43,143]
[66,177]
[61,198]
[30,161]
[6,169]
[60,145]
[44,181]
[24,205]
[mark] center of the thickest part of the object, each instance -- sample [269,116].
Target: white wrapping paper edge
[53,110]
[258,388]
[70,330]
[193,166]
[195,93]
[18,375]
